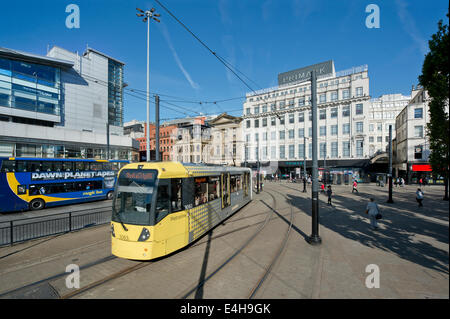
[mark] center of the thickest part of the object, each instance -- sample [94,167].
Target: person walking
[373,210]
[304,184]
[355,185]
[329,193]
[419,197]
[420,182]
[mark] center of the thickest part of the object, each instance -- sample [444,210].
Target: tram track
[195,287]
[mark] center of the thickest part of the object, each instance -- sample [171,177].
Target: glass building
[62,105]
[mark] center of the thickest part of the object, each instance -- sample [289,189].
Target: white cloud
[177,59]
[409,26]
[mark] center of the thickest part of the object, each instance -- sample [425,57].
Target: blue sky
[261,38]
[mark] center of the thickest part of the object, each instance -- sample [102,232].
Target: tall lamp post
[149,15]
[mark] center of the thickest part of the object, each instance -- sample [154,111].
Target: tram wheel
[37,204]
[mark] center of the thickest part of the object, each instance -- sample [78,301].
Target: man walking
[329,193]
[419,197]
[372,210]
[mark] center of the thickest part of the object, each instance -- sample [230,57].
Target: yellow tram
[160,207]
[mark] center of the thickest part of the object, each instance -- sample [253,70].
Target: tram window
[201,191]
[213,187]
[81,166]
[176,195]
[95,166]
[57,166]
[107,166]
[162,202]
[8,166]
[233,183]
[239,182]
[33,166]
[47,166]
[67,166]
[21,166]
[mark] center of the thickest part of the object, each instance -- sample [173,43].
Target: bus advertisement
[35,183]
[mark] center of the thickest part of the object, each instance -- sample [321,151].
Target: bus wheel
[109,195]
[37,204]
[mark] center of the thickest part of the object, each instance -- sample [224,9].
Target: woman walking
[373,210]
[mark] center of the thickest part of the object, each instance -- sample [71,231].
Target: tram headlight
[112,230]
[145,234]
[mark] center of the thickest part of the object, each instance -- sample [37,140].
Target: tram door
[226,199]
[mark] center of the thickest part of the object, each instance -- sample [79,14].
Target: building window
[282,118]
[301,132]
[301,117]
[301,101]
[380,127]
[273,107]
[256,109]
[291,151]
[418,113]
[273,136]
[282,152]
[291,118]
[256,137]
[346,149]
[323,131]
[418,152]
[334,149]
[359,91]
[418,131]
[359,148]
[322,98]
[346,111]
[264,122]
[346,128]
[345,94]
[273,151]
[334,96]
[323,150]
[334,112]
[334,129]
[247,111]
[291,134]
[379,139]
[310,131]
[359,127]
[264,108]
[256,123]
[359,109]
[248,125]
[323,114]
[371,127]
[273,121]
[282,135]
[371,139]
[301,150]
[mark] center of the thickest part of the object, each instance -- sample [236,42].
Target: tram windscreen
[133,201]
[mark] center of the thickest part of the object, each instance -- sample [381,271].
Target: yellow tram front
[161,207]
[145,194]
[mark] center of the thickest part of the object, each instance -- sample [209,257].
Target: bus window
[21,166]
[67,166]
[33,166]
[95,166]
[213,187]
[57,166]
[8,166]
[176,195]
[200,191]
[107,166]
[47,166]
[81,166]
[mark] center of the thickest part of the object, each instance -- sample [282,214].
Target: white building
[382,113]
[226,140]
[279,119]
[62,105]
[411,143]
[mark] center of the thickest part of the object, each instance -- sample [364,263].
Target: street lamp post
[314,238]
[148,14]
[304,162]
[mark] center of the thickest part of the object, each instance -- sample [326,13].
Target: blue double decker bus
[34,183]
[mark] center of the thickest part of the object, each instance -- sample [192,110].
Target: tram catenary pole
[390,166]
[314,238]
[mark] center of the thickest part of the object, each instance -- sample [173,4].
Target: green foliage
[435,80]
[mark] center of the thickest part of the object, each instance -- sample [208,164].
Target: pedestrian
[419,197]
[355,185]
[420,182]
[402,182]
[373,210]
[396,182]
[329,193]
[322,187]
[304,184]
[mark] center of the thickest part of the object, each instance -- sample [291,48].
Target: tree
[435,79]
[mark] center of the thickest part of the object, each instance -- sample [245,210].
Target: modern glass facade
[30,86]
[115,93]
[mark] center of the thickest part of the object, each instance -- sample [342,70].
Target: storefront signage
[421,168]
[304,74]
